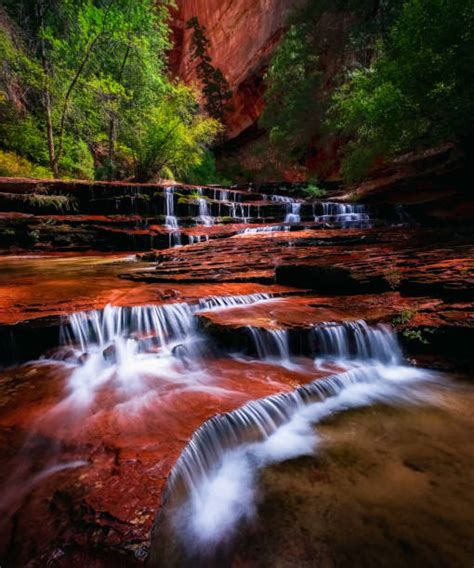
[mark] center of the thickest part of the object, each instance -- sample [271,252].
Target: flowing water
[220,204]
[293,216]
[144,406]
[171,219]
[344,214]
[264,229]
[205,217]
[212,491]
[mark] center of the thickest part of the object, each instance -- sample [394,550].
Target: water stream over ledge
[212,490]
[172,403]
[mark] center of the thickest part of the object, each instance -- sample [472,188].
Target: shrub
[12,165]
[313,191]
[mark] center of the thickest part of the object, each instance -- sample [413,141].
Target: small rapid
[294,213]
[343,214]
[171,222]
[213,489]
[269,213]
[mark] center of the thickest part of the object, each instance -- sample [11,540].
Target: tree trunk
[113,121]
[111,149]
[53,160]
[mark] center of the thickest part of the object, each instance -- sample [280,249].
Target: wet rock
[83,358]
[180,353]
[110,354]
[330,279]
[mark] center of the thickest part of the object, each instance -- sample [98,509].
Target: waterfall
[344,214]
[282,199]
[264,229]
[226,195]
[150,326]
[171,220]
[221,195]
[221,302]
[357,340]
[121,346]
[271,343]
[211,491]
[240,211]
[332,342]
[293,213]
[205,217]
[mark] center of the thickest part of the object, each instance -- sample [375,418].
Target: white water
[224,496]
[356,340]
[121,346]
[281,199]
[220,302]
[293,215]
[343,214]
[271,344]
[229,203]
[205,217]
[264,229]
[171,220]
[240,212]
[213,489]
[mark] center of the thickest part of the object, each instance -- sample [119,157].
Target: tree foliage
[215,88]
[172,134]
[419,90]
[77,77]
[297,89]
[292,113]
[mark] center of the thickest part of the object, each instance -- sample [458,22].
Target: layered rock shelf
[117,367]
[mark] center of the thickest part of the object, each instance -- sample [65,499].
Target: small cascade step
[229,449]
[128,217]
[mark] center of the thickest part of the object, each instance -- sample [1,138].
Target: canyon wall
[243,35]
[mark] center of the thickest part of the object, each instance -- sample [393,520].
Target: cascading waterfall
[126,359]
[171,220]
[264,229]
[220,302]
[151,326]
[212,489]
[229,203]
[229,199]
[343,214]
[123,344]
[356,340]
[281,199]
[240,212]
[205,217]
[221,195]
[271,344]
[293,214]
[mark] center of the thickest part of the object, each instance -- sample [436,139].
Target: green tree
[292,113]
[172,135]
[298,84]
[215,86]
[94,58]
[418,91]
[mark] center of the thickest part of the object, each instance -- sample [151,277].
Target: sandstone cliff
[243,35]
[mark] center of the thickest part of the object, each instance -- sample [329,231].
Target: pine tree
[215,86]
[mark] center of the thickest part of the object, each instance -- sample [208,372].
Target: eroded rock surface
[108,461]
